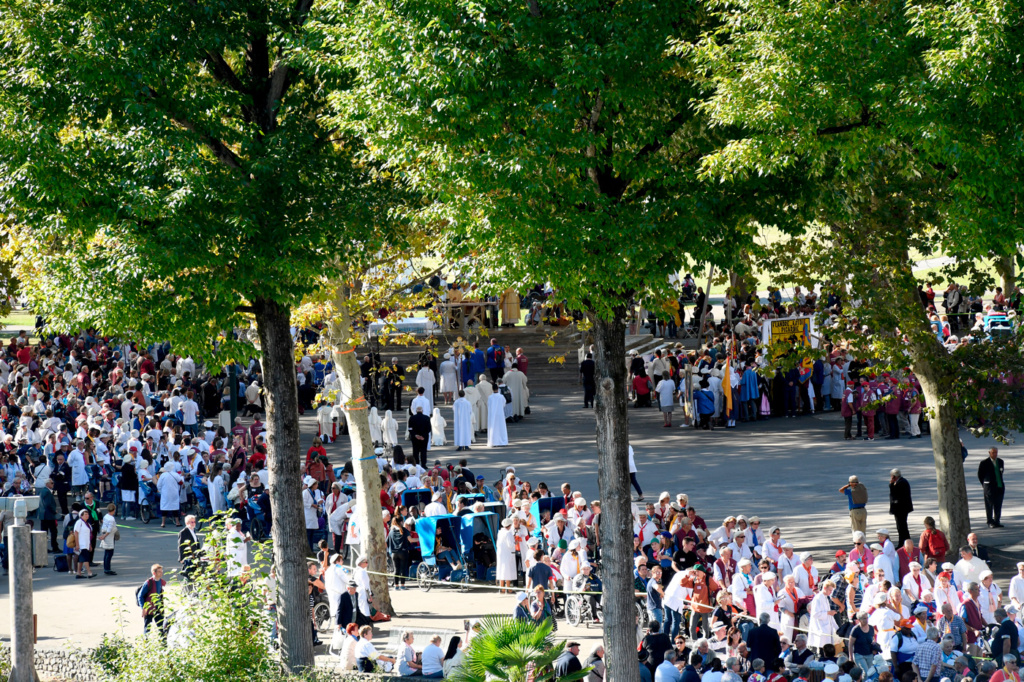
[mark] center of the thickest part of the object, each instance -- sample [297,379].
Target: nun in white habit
[437,424]
[389,429]
[375,434]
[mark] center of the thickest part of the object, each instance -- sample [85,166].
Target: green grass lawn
[19,318]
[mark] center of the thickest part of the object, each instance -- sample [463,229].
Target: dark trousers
[496,373]
[818,397]
[108,555]
[901,528]
[632,479]
[419,452]
[791,394]
[588,394]
[51,527]
[154,619]
[893,425]
[401,558]
[62,498]
[860,424]
[993,503]
[848,431]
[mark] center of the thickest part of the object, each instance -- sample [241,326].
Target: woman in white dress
[389,429]
[437,424]
[375,434]
[449,379]
[505,572]
[169,486]
[822,612]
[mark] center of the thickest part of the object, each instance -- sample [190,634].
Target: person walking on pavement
[47,514]
[990,473]
[857,496]
[900,503]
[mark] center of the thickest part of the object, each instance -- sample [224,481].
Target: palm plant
[511,650]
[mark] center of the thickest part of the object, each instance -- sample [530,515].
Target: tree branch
[865,120]
[223,72]
[671,128]
[534,8]
[219,149]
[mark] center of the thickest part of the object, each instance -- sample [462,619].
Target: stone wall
[57,665]
[64,666]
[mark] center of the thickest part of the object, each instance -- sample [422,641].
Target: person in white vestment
[425,380]
[475,400]
[389,429]
[463,422]
[516,382]
[437,425]
[822,612]
[485,388]
[497,433]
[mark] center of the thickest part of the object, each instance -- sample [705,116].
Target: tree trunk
[954,513]
[284,459]
[1004,266]
[616,514]
[373,537]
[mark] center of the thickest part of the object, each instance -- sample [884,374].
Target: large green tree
[558,143]
[171,176]
[896,165]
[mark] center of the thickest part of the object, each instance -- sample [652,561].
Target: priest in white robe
[497,434]
[425,380]
[822,612]
[475,399]
[516,382]
[463,418]
[485,388]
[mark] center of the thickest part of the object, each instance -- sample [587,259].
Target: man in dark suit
[990,473]
[763,640]
[348,606]
[588,370]
[419,430]
[188,546]
[568,663]
[47,514]
[900,504]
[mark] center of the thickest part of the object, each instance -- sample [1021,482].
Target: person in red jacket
[933,543]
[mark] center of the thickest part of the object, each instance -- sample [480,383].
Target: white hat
[913,564]
[831,669]
[437,496]
[520,596]
[580,502]
[875,545]
[948,566]
[882,531]
[804,556]
[574,544]
[786,545]
[984,574]
[880,598]
[920,608]
[533,541]
[208,424]
[506,523]
[308,481]
[770,575]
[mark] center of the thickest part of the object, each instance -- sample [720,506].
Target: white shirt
[1016,591]
[434,509]
[189,412]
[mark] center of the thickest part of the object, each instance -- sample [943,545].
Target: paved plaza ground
[787,471]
